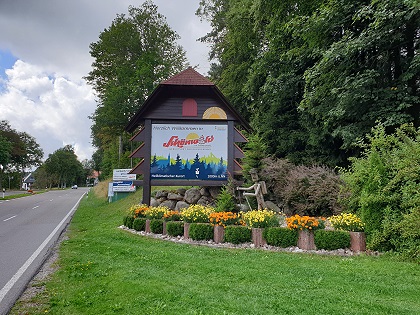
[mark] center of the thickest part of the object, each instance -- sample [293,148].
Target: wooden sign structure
[187,131]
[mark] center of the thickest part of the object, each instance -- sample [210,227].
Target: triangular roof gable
[188,77]
[184,79]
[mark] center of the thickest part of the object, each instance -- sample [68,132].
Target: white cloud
[44,93]
[54,111]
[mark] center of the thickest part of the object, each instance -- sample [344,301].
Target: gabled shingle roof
[188,77]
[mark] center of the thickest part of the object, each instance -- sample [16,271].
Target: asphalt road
[29,227]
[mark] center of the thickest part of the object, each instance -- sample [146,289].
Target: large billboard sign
[181,151]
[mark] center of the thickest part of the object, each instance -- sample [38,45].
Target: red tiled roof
[188,77]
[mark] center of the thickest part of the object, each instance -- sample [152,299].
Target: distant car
[74,187]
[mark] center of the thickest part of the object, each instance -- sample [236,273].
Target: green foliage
[201,231]
[383,186]
[331,240]
[255,152]
[281,237]
[225,202]
[63,168]
[313,76]
[128,221]
[18,150]
[175,228]
[237,234]
[131,57]
[139,224]
[156,226]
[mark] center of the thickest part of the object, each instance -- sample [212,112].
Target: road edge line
[31,259]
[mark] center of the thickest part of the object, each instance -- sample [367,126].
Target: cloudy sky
[44,53]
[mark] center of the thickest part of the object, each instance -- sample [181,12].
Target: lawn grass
[106,270]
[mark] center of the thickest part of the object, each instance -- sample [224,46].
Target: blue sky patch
[7,60]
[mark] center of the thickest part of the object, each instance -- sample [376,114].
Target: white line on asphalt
[9,218]
[31,259]
[35,207]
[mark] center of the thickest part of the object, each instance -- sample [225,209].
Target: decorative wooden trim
[238,136]
[139,152]
[239,154]
[139,136]
[138,169]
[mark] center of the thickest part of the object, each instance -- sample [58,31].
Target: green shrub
[139,224]
[199,232]
[303,190]
[382,186]
[281,237]
[156,226]
[237,234]
[225,202]
[331,240]
[128,221]
[174,228]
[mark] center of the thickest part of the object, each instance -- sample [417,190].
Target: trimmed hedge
[200,232]
[175,228]
[139,224]
[237,234]
[331,240]
[280,237]
[156,226]
[128,221]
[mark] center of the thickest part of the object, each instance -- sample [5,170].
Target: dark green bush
[331,240]
[139,224]
[237,234]
[281,237]
[175,228]
[200,231]
[156,226]
[128,221]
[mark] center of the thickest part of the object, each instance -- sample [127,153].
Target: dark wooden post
[147,157]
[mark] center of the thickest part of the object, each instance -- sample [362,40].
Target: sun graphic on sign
[214,113]
[192,136]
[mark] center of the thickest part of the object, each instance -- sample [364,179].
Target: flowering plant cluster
[260,218]
[172,215]
[196,214]
[138,211]
[223,218]
[305,222]
[347,222]
[156,212]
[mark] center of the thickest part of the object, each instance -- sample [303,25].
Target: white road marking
[31,259]
[35,207]
[9,218]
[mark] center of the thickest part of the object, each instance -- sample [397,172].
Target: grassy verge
[105,270]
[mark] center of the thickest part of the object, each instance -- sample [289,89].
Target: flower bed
[257,226]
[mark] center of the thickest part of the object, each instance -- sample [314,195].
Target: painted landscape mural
[182,151]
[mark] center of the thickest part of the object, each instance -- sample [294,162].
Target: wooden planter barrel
[306,240]
[186,230]
[147,227]
[219,233]
[358,241]
[257,237]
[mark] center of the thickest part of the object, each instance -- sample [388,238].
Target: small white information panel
[122,175]
[123,186]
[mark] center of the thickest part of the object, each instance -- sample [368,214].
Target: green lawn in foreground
[105,270]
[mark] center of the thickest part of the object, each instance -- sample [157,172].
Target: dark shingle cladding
[188,77]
